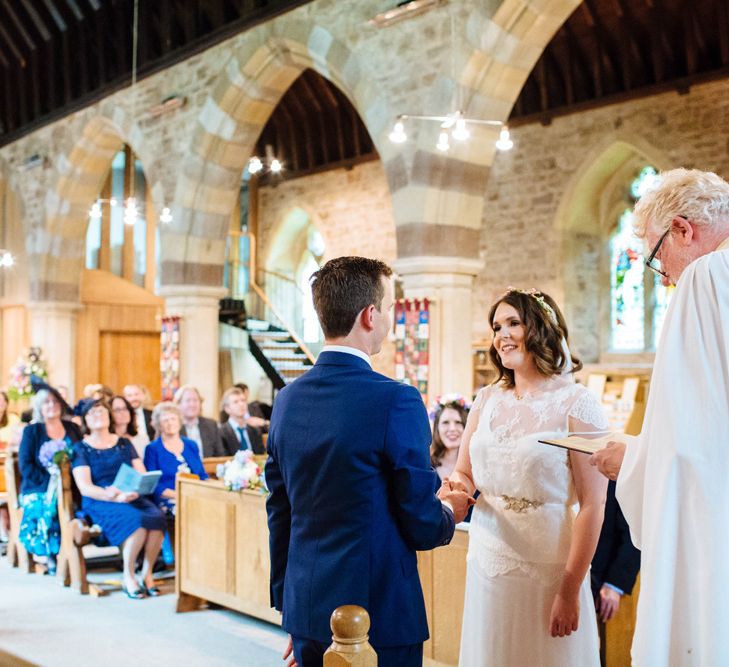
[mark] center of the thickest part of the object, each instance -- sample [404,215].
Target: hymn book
[583,444]
[128,480]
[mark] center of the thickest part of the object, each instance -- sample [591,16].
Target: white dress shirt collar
[348,350]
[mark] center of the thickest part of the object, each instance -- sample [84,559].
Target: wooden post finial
[350,642]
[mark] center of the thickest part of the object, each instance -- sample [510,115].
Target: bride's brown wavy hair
[542,339]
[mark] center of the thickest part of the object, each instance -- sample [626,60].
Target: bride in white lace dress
[528,599]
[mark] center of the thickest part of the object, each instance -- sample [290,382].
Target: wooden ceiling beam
[11,45]
[37,21]
[689,41]
[56,15]
[75,10]
[722,23]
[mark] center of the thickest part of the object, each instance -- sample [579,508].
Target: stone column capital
[188,296]
[438,271]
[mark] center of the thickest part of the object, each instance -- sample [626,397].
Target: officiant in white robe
[673,484]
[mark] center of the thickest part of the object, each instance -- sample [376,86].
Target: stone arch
[57,248]
[585,217]
[263,64]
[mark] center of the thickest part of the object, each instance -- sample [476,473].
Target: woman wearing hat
[39,528]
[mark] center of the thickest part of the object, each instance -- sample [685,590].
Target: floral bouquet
[53,453]
[30,363]
[444,401]
[242,472]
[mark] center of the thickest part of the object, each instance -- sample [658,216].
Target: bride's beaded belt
[520,504]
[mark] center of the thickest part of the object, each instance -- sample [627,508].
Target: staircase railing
[281,321]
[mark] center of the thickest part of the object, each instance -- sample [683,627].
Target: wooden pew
[17,554]
[75,534]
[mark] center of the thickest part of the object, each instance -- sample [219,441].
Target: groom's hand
[459,501]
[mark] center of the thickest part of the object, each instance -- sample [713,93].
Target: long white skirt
[506,624]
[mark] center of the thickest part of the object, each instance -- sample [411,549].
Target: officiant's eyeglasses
[651,262]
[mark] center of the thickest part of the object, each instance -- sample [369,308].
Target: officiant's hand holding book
[609,459]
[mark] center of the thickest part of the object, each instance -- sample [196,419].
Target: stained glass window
[638,300]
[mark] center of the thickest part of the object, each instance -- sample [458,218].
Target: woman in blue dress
[39,529]
[170,453]
[133,523]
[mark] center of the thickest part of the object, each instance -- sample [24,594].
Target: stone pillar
[197,308]
[447,282]
[53,329]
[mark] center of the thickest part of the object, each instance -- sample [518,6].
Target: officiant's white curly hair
[699,196]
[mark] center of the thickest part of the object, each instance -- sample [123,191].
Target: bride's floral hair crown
[445,401]
[539,298]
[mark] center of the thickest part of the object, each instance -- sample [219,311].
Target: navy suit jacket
[616,560]
[352,498]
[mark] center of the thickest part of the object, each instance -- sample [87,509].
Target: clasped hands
[457,496]
[116,496]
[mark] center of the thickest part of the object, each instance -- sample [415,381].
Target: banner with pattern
[412,335]
[170,357]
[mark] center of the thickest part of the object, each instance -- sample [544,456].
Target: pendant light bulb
[398,136]
[254,165]
[504,143]
[276,166]
[443,144]
[130,211]
[461,133]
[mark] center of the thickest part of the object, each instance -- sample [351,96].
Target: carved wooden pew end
[350,642]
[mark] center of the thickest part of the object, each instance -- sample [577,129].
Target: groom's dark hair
[343,288]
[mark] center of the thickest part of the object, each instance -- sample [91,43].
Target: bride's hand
[455,485]
[564,617]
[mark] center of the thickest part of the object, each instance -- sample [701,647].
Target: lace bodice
[523,517]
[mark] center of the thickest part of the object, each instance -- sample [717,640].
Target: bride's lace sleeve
[587,410]
[480,399]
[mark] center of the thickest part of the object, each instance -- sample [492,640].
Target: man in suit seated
[203,430]
[135,395]
[236,433]
[615,565]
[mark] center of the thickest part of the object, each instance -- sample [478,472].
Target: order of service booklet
[130,480]
[583,444]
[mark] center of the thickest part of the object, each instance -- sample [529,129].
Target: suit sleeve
[625,566]
[423,520]
[279,524]
[217,447]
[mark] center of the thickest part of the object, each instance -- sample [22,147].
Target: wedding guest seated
[259,414]
[448,424]
[124,423]
[202,430]
[127,520]
[135,395]
[39,529]
[170,453]
[237,432]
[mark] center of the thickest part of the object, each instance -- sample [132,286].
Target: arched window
[638,300]
[118,239]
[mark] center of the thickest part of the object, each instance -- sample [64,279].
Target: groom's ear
[366,318]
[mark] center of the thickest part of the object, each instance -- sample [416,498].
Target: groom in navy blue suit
[353,495]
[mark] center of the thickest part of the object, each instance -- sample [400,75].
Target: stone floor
[50,626]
